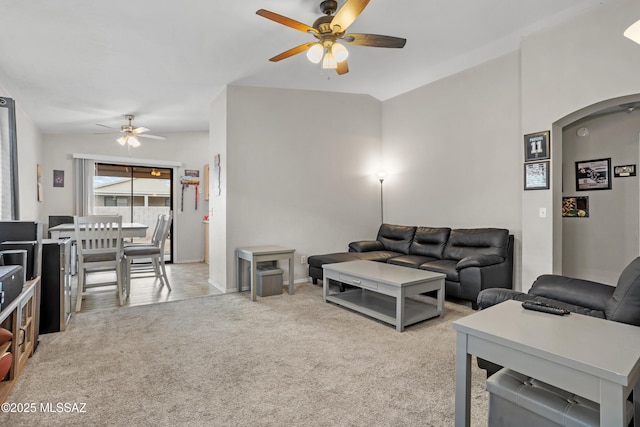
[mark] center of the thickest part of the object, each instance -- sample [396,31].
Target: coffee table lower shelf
[383,307]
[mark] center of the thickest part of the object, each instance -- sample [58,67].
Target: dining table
[129,229]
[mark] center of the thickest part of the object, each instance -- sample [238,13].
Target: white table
[129,229]
[256,254]
[383,289]
[594,358]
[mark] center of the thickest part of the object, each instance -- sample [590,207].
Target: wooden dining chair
[153,252]
[99,242]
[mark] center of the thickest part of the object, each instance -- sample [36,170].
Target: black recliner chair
[619,303]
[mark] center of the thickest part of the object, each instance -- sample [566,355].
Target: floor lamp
[381,175]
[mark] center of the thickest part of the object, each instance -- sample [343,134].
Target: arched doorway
[597,247]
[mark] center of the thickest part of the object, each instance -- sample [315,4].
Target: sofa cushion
[429,241]
[396,238]
[624,304]
[320,260]
[478,241]
[444,266]
[413,261]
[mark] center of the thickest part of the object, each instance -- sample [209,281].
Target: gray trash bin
[269,281]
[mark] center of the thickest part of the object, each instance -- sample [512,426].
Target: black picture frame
[575,207]
[58,178]
[536,176]
[624,171]
[593,175]
[537,146]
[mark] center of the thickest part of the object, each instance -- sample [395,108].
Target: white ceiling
[73,63]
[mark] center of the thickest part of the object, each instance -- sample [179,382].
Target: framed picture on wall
[593,175]
[575,207]
[624,171]
[58,178]
[536,176]
[537,146]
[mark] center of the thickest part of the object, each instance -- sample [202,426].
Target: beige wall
[565,69]
[299,171]
[451,149]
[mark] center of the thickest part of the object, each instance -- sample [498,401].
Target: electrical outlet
[543,212]
[303,259]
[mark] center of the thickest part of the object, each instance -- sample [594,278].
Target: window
[9,200]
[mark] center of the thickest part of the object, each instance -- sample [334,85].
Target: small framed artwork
[624,171]
[536,176]
[39,196]
[593,175]
[537,146]
[575,207]
[58,178]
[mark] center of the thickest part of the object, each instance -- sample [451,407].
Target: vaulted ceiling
[73,63]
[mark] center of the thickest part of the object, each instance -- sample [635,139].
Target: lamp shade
[339,52]
[329,61]
[633,32]
[133,141]
[129,139]
[315,53]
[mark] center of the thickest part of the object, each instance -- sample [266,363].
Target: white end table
[256,254]
[594,358]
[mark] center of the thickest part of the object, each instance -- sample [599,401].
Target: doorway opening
[138,193]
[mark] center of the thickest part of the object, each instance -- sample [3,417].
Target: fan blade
[140,130]
[108,127]
[151,136]
[291,52]
[342,68]
[347,14]
[286,21]
[374,40]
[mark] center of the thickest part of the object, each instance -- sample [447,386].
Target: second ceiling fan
[130,133]
[329,30]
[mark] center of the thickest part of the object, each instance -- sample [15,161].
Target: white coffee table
[383,291]
[594,358]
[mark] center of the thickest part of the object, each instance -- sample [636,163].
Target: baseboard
[219,286]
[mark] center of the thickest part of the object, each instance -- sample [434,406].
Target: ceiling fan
[330,31]
[131,133]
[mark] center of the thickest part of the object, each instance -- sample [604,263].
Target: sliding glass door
[138,193]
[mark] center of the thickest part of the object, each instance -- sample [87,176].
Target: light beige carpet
[226,361]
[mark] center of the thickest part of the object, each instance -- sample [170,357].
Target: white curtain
[85,171]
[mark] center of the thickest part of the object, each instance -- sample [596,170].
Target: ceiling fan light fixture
[133,141]
[315,53]
[122,140]
[329,62]
[633,32]
[339,52]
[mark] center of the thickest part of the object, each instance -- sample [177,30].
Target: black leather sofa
[620,303]
[473,259]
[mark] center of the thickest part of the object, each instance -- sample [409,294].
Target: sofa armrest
[493,296]
[366,246]
[479,261]
[583,293]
